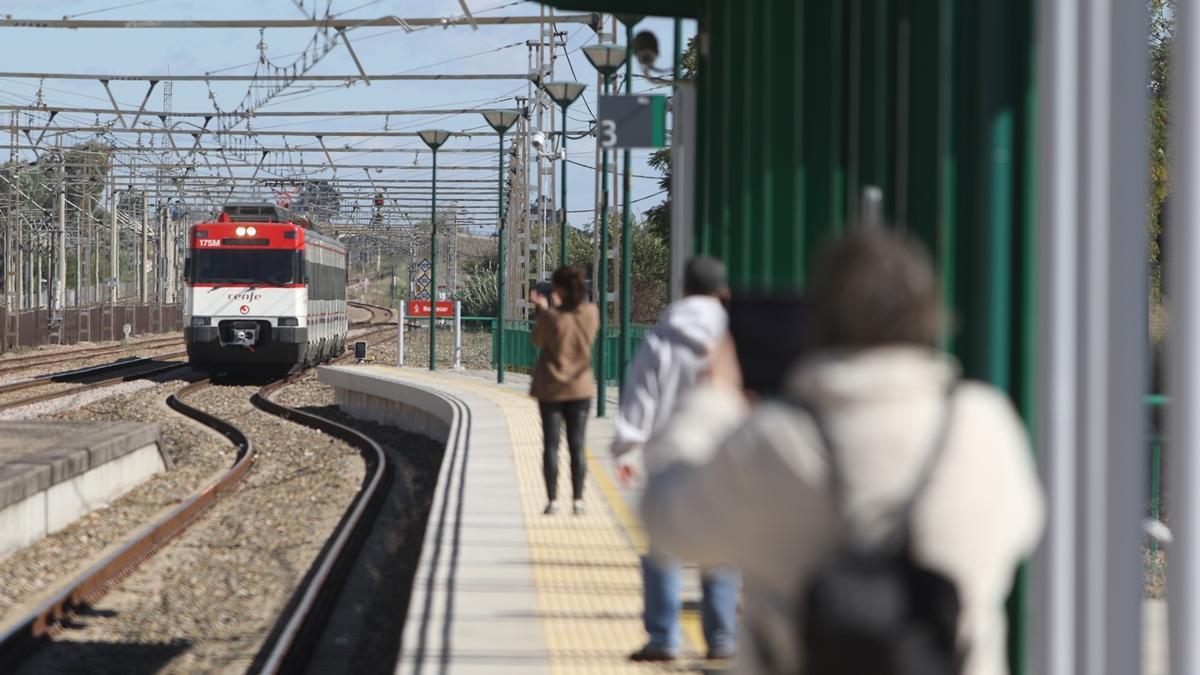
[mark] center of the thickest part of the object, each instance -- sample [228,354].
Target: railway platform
[502,587]
[52,472]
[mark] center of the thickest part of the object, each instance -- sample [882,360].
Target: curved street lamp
[564,94]
[434,138]
[606,59]
[501,121]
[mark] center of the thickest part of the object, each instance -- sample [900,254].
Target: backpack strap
[837,476]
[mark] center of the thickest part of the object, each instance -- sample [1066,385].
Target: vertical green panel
[870,103]
[799,179]
[947,165]
[658,120]
[922,142]
[967,150]
[702,239]
[766,186]
[751,227]
[823,110]
[780,156]
[738,222]
[993,249]
[854,111]
[725,62]
[837,113]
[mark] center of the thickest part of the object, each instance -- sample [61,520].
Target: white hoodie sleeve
[639,401]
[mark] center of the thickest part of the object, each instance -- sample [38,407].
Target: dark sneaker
[720,654]
[651,653]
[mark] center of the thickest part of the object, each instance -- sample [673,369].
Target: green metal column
[500,234]
[602,282]
[563,257]
[433,294]
[623,345]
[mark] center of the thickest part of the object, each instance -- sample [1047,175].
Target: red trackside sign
[420,308]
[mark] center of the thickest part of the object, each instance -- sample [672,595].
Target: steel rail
[307,613]
[23,636]
[24,363]
[66,377]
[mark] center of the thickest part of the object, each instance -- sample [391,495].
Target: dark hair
[703,275]
[571,285]
[874,287]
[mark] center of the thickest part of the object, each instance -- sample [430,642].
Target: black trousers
[553,412]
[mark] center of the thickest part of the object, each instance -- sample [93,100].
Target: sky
[492,49]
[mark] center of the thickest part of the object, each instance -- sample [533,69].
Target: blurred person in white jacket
[749,485]
[671,360]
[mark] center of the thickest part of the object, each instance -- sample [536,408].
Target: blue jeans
[662,577]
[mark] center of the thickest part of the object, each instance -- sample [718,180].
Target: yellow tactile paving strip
[586,569]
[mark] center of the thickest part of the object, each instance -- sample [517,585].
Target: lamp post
[606,59]
[627,186]
[434,138]
[564,94]
[501,121]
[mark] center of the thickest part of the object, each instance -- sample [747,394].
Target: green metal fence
[520,354]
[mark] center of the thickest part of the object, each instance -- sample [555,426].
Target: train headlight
[241,231]
[201,321]
[250,231]
[289,321]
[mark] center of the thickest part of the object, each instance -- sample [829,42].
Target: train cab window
[245,266]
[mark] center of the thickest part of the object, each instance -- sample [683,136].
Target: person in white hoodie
[750,485]
[671,360]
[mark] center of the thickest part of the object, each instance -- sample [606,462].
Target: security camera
[645,48]
[538,140]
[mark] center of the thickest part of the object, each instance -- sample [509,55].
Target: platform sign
[420,308]
[632,121]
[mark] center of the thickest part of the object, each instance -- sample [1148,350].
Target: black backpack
[878,611]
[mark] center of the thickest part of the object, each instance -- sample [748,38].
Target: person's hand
[626,474]
[539,300]
[723,368]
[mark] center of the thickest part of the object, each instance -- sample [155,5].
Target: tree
[479,294]
[1162,35]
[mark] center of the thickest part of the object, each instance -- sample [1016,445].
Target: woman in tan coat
[562,378]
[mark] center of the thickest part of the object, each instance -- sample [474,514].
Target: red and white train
[263,290]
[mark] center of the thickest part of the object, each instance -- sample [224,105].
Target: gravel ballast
[196,455]
[220,586]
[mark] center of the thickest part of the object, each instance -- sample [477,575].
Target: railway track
[83,379]
[34,361]
[307,610]
[379,314]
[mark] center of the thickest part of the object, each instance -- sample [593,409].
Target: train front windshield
[244,267]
